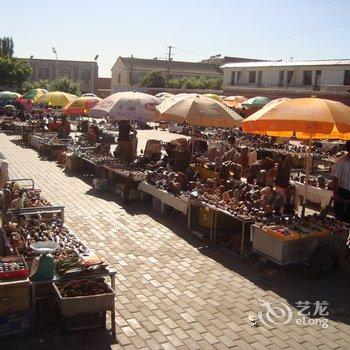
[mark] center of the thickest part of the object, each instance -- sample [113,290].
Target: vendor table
[180,204]
[110,272]
[314,194]
[214,222]
[286,250]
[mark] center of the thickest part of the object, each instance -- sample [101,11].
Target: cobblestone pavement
[171,292]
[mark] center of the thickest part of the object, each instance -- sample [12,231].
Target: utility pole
[169,59]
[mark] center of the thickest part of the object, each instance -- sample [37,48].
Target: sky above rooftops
[269,29]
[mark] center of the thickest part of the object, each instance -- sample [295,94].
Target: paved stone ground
[171,291]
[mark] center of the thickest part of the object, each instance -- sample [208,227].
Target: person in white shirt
[341,186]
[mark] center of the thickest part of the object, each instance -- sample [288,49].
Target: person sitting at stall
[125,149]
[54,125]
[104,148]
[341,186]
[91,136]
[84,126]
[64,128]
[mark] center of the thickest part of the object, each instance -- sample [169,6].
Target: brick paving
[172,292]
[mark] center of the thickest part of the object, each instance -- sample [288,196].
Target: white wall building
[321,75]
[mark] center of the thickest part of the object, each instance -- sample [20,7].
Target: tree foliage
[196,83]
[13,72]
[6,46]
[157,79]
[62,84]
[154,79]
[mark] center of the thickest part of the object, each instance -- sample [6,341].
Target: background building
[83,72]
[104,87]
[324,78]
[128,71]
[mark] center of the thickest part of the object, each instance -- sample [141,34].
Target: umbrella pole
[308,171]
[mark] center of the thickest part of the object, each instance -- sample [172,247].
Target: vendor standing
[125,149]
[341,186]
[64,128]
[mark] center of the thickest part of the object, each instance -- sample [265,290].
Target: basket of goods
[82,296]
[13,267]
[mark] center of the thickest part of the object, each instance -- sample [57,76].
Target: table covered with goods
[46,269]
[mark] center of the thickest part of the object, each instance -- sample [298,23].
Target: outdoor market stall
[41,259]
[308,118]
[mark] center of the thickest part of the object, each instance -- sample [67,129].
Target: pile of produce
[82,287]
[31,229]
[11,265]
[19,197]
[310,224]
[241,199]
[173,182]
[319,181]
[66,261]
[93,156]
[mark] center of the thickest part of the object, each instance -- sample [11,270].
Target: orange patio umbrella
[234,101]
[80,105]
[306,118]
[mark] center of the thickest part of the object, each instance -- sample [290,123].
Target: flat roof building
[83,72]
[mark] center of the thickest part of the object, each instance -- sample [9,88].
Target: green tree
[154,79]
[6,46]
[62,84]
[13,72]
[39,84]
[66,85]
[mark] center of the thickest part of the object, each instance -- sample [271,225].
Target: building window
[307,77]
[252,77]
[238,76]
[290,74]
[233,78]
[119,78]
[281,78]
[44,73]
[347,77]
[86,75]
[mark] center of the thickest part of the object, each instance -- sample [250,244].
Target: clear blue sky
[270,29]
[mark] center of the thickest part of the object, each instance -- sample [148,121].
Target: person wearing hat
[341,186]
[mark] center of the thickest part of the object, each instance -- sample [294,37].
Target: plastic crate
[83,322]
[16,323]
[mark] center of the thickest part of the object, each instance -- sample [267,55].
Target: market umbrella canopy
[34,94]
[9,96]
[164,95]
[56,98]
[234,101]
[129,105]
[257,101]
[214,96]
[80,105]
[88,94]
[198,110]
[305,117]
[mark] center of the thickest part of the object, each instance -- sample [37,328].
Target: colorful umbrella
[164,95]
[234,101]
[214,97]
[311,118]
[129,105]
[257,101]
[34,94]
[197,110]
[8,96]
[80,105]
[55,99]
[88,94]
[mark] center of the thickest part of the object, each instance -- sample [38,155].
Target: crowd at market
[248,172]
